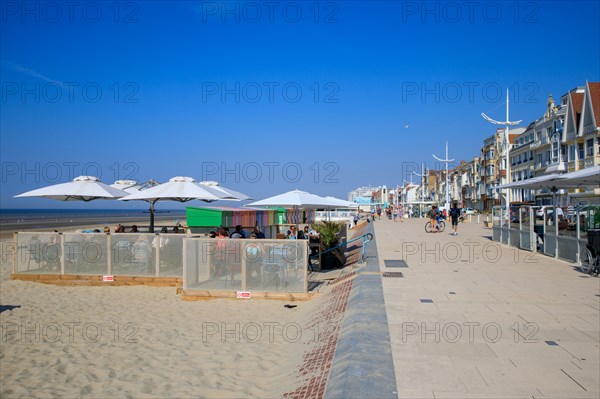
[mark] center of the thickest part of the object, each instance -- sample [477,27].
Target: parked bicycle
[590,262]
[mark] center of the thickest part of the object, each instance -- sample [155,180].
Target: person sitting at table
[134,229]
[301,235]
[238,233]
[308,232]
[222,233]
[106,230]
[212,234]
[259,234]
[176,229]
[292,234]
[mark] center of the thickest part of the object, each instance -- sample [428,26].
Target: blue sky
[266,97]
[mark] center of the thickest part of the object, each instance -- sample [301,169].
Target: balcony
[557,167]
[591,161]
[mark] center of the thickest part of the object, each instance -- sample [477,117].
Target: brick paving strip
[353,358]
[316,363]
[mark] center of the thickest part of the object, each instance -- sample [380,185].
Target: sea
[15,219]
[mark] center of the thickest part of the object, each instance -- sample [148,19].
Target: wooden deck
[200,295]
[83,280]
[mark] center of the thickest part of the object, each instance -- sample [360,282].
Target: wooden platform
[83,280]
[201,295]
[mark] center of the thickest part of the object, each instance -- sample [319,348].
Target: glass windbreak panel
[496,216]
[171,254]
[524,216]
[549,218]
[582,220]
[246,264]
[589,217]
[38,253]
[133,254]
[593,218]
[86,253]
[566,222]
[214,264]
[276,266]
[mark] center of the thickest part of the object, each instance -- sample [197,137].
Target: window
[571,153]
[539,159]
[598,144]
[555,145]
[589,147]
[580,151]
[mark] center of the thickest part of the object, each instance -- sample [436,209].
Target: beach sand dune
[139,341]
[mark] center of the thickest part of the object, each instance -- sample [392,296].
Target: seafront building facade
[565,138]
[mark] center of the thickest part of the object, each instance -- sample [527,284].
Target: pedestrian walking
[454,214]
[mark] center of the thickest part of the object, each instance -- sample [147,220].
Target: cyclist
[439,217]
[434,216]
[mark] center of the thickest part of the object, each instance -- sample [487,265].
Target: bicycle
[441,225]
[590,263]
[590,260]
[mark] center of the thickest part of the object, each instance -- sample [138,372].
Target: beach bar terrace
[204,267]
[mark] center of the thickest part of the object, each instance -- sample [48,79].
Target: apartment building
[522,166]
[587,123]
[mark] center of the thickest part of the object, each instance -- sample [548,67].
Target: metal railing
[539,231]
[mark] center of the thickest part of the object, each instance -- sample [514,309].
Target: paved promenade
[471,318]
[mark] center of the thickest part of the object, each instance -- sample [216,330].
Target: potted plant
[328,234]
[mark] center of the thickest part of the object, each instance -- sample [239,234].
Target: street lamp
[446,161]
[506,143]
[422,175]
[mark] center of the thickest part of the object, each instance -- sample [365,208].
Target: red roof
[594,90]
[577,103]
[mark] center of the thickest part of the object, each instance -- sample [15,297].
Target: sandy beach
[145,342]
